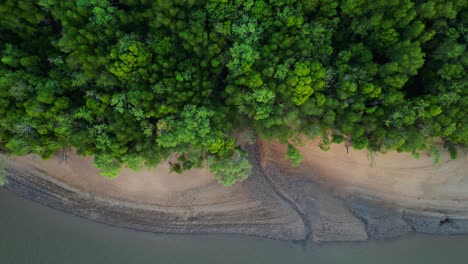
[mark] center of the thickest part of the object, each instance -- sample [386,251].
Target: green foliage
[108,165]
[3,178]
[3,181]
[132,82]
[435,152]
[307,78]
[451,149]
[230,170]
[294,155]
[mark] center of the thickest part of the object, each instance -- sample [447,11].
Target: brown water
[34,234]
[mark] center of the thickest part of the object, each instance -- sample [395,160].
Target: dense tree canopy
[134,81]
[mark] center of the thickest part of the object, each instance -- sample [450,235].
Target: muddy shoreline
[274,205]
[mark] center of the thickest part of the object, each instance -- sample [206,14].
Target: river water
[34,234]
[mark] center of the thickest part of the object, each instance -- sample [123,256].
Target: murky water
[34,234]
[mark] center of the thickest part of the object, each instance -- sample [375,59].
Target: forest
[134,82]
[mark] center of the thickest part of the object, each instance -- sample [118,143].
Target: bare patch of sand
[149,186]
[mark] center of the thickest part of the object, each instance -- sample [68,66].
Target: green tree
[229,171]
[133,82]
[294,155]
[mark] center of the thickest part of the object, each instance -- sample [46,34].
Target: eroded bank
[331,196]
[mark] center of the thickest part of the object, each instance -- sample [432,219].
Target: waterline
[34,234]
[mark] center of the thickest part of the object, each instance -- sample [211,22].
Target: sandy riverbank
[396,178]
[330,196]
[391,194]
